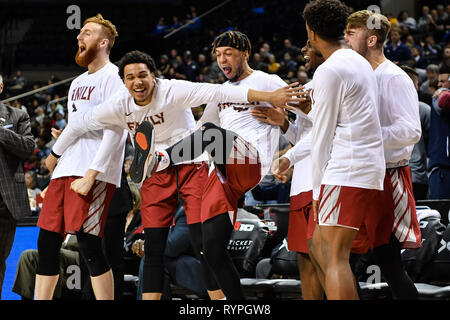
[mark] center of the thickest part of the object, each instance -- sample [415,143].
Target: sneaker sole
[144,149]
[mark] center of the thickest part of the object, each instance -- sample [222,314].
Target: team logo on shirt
[74,108]
[82,93]
[154,119]
[225,105]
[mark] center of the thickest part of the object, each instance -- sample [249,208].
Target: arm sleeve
[291,132]
[192,94]
[21,143]
[300,151]
[329,92]
[102,115]
[113,136]
[405,129]
[210,114]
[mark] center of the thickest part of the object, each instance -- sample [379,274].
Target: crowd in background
[421,42]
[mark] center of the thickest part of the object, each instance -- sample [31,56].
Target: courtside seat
[258,288]
[431,292]
[375,291]
[288,289]
[129,287]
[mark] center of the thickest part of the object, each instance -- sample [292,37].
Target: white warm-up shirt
[169,111]
[237,117]
[346,139]
[301,177]
[398,112]
[86,92]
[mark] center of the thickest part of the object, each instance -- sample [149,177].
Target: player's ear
[372,41]
[104,43]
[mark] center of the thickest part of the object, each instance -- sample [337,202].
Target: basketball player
[346,146]
[301,223]
[401,129]
[162,108]
[241,149]
[65,211]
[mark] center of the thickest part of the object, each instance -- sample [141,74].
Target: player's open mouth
[306,59]
[139,91]
[82,48]
[227,70]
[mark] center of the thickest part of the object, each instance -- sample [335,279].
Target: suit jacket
[16,145]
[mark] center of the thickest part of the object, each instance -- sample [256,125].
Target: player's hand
[274,116]
[56,133]
[279,169]
[138,248]
[51,162]
[82,185]
[315,207]
[304,103]
[282,97]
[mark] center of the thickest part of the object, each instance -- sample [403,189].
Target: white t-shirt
[346,140]
[398,112]
[237,117]
[87,91]
[301,177]
[169,111]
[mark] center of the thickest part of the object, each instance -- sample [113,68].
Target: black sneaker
[144,152]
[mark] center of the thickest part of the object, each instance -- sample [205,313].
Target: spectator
[60,122]
[438,147]
[258,63]
[432,74]
[431,50]
[273,64]
[17,81]
[445,58]
[43,174]
[189,67]
[33,190]
[160,27]
[164,66]
[404,20]
[293,51]
[417,60]
[395,50]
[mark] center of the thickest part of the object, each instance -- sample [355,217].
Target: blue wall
[26,238]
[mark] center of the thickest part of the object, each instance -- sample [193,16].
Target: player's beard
[88,56]
[239,71]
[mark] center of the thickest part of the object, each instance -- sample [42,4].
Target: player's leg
[396,219]
[311,286]
[336,245]
[153,274]
[196,235]
[47,275]
[51,223]
[90,247]
[389,259]
[216,141]
[216,235]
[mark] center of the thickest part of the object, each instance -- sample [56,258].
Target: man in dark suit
[16,145]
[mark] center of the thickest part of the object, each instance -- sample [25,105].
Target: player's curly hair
[136,57]
[327,18]
[234,39]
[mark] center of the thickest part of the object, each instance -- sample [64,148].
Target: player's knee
[49,246]
[90,248]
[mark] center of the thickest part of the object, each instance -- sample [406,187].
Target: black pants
[7,233]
